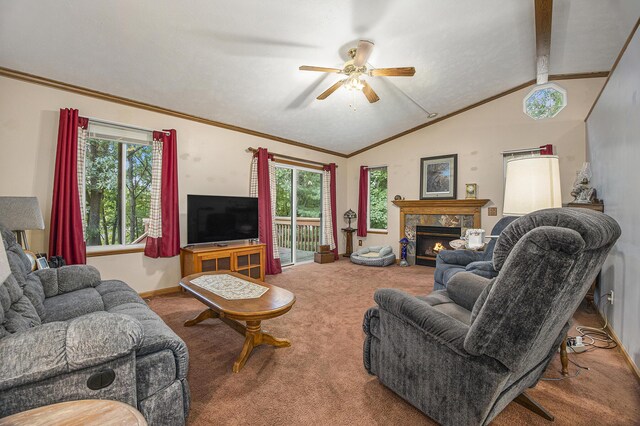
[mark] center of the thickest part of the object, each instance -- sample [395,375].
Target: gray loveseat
[65,335]
[462,354]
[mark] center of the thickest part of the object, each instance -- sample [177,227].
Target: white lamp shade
[531,184]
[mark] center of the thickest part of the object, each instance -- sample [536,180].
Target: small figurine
[582,192]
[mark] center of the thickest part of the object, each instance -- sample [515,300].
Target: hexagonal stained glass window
[545,101]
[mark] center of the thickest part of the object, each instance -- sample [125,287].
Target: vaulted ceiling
[237,62]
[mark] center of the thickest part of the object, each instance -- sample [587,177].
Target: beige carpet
[320,378]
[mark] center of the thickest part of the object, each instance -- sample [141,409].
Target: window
[117,185]
[545,101]
[377,199]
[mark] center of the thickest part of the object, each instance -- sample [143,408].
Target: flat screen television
[212,218]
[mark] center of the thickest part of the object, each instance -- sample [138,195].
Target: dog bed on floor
[374,256]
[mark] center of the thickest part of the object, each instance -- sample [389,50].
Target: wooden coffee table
[275,302]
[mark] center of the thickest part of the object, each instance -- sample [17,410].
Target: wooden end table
[275,302]
[88,412]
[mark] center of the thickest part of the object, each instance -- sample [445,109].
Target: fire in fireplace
[431,240]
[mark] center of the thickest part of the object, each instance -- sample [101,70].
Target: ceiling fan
[357,67]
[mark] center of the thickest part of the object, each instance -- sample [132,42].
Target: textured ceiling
[237,62]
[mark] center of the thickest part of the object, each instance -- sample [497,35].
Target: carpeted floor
[320,378]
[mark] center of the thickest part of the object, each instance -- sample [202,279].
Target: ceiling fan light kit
[355,68]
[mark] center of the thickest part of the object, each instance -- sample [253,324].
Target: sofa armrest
[464,288]
[460,257]
[67,278]
[424,317]
[63,347]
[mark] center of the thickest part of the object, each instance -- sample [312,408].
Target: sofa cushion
[71,305]
[441,301]
[115,292]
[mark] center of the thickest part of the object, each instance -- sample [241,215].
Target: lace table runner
[230,287]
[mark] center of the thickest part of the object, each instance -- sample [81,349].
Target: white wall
[478,136]
[613,145]
[212,160]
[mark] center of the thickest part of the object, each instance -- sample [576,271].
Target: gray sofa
[450,262]
[462,354]
[65,335]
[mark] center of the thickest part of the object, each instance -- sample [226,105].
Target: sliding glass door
[298,213]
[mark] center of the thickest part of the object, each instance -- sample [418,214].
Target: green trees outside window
[309,193]
[117,191]
[378,198]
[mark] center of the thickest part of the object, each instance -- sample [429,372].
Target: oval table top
[273,303]
[87,412]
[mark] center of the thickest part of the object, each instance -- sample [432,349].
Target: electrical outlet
[360,243]
[493,211]
[610,297]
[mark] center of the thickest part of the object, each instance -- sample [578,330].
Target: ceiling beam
[544,9]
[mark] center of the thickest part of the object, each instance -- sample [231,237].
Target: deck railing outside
[308,233]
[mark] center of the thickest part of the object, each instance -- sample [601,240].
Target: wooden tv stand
[244,258]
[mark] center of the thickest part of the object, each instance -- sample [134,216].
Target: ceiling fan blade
[365,47]
[369,93]
[330,90]
[393,72]
[319,69]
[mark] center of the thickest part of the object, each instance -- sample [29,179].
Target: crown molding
[43,81]
[30,78]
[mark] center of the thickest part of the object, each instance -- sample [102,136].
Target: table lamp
[532,183]
[20,214]
[349,215]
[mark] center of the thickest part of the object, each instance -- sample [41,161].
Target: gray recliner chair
[462,354]
[66,335]
[450,262]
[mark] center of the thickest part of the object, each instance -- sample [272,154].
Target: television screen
[218,218]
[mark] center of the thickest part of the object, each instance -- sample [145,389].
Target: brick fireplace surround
[444,213]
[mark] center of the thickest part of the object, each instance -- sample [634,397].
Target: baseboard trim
[632,365]
[159,292]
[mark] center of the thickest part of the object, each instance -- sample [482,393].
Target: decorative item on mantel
[403,251]
[398,197]
[471,191]
[582,192]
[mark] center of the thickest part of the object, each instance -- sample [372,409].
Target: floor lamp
[20,214]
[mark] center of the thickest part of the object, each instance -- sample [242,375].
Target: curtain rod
[126,126]
[515,151]
[288,157]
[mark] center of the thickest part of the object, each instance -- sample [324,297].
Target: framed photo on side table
[42,263]
[439,177]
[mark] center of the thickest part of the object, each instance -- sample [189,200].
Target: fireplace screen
[431,240]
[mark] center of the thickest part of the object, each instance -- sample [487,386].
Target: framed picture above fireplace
[439,177]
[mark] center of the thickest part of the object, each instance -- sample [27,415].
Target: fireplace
[430,240]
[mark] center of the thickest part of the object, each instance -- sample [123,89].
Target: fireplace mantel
[448,212]
[472,203]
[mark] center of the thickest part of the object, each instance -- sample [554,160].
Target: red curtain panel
[331,168]
[66,237]
[265,214]
[546,149]
[363,197]
[169,244]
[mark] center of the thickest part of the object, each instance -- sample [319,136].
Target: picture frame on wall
[439,177]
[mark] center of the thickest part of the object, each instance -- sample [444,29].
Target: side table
[88,412]
[349,231]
